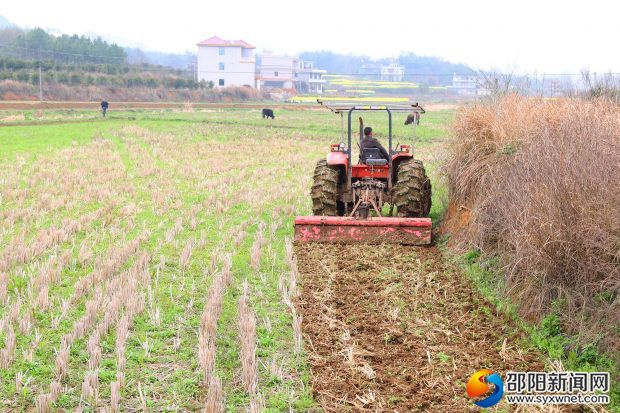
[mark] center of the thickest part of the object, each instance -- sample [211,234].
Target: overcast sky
[551,36]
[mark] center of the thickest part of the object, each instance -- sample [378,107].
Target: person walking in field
[104,107]
[369,142]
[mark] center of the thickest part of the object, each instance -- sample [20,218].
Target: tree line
[428,69]
[81,61]
[41,45]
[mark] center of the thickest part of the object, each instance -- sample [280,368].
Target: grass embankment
[535,196]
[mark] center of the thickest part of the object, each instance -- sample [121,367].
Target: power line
[473,73]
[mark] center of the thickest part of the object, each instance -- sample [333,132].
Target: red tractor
[348,199]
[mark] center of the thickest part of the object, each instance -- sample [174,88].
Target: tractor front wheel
[412,192]
[324,192]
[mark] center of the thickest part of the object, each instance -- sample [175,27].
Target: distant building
[309,79]
[276,71]
[392,72]
[285,72]
[226,62]
[370,69]
[465,84]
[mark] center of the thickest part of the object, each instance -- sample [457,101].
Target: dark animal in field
[413,117]
[268,113]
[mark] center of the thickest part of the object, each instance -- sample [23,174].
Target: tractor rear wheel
[324,192]
[412,192]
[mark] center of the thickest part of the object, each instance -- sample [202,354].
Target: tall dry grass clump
[207,335]
[537,184]
[214,403]
[247,340]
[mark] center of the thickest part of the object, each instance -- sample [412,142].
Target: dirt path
[395,329]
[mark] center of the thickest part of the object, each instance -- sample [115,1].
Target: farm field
[146,264]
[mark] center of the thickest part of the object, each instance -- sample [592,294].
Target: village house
[226,62]
[392,72]
[467,85]
[287,72]
[276,71]
[309,79]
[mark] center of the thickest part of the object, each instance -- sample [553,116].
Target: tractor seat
[372,157]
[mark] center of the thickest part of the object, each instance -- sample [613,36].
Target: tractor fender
[337,159]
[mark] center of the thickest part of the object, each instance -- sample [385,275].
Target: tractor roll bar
[350,153]
[339,107]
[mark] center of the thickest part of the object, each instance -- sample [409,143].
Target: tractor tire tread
[411,193]
[324,191]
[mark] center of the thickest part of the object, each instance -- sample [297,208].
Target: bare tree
[495,83]
[606,86]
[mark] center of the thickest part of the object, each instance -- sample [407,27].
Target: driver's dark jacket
[370,142]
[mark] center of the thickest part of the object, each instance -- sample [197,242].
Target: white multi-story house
[309,79]
[371,70]
[276,71]
[465,84]
[392,72]
[287,72]
[226,62]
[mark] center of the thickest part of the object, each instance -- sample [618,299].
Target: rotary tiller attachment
[372,230]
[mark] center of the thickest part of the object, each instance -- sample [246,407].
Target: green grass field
[168,195]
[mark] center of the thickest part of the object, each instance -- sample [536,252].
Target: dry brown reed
[62,361]
[289,292]
[255,251]
[215,399]
[115,397]
[7,354]
[172,232]
[4,287]
[239,238]
[106,265]
[186,254]
[43,403]
[90,387]
[207,335]
[19,252]
[119,293]
[535,182]
[247,339]
[208,323]
[21,381]
[85,253]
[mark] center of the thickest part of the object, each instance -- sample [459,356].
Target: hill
[37,44]
[426,69]
[173,60]
[4,22]
[80,67]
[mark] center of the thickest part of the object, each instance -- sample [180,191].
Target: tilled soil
[396,329]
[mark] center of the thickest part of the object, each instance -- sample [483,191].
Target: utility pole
[40,84]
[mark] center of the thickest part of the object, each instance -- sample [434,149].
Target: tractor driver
[369,142]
